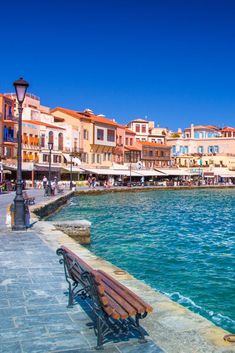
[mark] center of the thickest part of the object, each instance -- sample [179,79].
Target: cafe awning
[109,171]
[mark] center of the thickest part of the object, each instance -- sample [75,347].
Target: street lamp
[50,148]
[19,203]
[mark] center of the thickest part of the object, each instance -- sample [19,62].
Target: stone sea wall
[172,326]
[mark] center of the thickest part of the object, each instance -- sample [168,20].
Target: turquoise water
[179,242]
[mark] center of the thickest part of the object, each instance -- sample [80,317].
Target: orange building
[8,128]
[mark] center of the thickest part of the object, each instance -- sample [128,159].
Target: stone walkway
[34,317]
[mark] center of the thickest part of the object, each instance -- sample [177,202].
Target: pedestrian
[53,187]
[89,180]
[142,181]
[93,182]
[44,182]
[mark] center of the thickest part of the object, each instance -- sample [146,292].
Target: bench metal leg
[99,334]
[139,328]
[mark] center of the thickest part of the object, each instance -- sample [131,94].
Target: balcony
[10,139]
[11,118]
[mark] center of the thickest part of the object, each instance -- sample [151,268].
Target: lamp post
[19,203]
[50,148]
[71,172]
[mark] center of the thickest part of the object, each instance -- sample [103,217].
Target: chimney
[192,131]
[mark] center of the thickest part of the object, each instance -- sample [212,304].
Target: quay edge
[171,326]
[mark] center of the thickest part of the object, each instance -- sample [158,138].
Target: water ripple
[179,242]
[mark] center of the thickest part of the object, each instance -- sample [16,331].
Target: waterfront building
[203,146]
[119,150]
[8,128]
[155,155]
[97,135]
[146,131]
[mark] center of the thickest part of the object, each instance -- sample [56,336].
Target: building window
[109,156]
[8,152]
[51,137]
[5,111]
[216,149]
[93,158]
[131,141]
[100,134]
[98,158]
[200,149]
[75,144]
[85,134]
[111,135]
[120,140]
[137,128]
[45,158]
[42,140]
[173,149]
[60,141]
[210,149]
[150,153]
[126,140]
[143,129]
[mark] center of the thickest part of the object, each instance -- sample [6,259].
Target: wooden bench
[29,200]
[117,308]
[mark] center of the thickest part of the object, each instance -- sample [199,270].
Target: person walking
[93,182]
[89,180]
[44,182]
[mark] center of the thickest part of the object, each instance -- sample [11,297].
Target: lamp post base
[18,227]
[19,215]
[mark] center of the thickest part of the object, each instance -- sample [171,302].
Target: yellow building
[97,135]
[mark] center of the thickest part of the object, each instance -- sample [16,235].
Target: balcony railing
[10,139]
[11,117]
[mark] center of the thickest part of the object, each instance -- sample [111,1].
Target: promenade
[33,298]
[34,317]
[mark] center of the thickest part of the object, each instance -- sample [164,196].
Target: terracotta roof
[85,115]
[133,148]
[41,123]
[73,113]
[130,131]
[153,144]
[102,120]
[228,128]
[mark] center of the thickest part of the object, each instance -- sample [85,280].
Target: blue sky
[170,60]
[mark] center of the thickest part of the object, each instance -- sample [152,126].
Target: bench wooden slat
[137,306]
[117,300]
[118,311]
[139,300]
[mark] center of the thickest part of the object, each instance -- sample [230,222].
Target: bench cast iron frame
[105,325]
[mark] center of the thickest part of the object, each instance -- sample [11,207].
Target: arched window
[60,141]
[51,137]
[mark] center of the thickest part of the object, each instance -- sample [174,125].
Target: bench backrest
[80,272]
[107,293]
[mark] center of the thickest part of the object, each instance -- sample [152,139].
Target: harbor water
[181,243]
